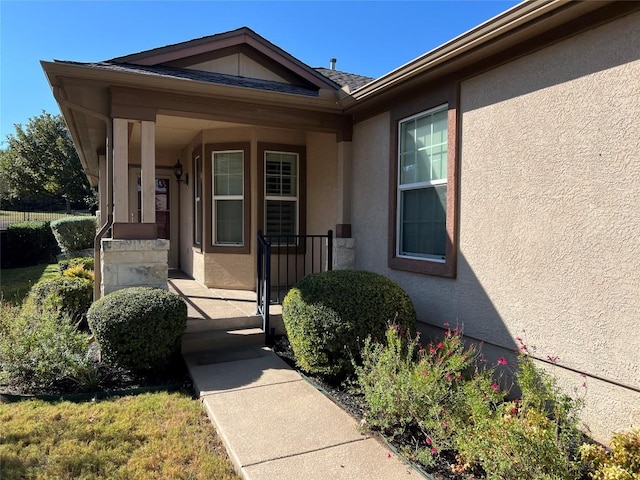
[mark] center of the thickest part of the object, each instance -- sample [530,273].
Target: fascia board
[185,86]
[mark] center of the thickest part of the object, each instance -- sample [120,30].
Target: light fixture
[177,171]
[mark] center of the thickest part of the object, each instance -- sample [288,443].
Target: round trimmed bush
[139,328]
[328,316]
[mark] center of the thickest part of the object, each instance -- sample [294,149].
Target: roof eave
[473,39]
[326,101]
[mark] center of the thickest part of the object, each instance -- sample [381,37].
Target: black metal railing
[283,260]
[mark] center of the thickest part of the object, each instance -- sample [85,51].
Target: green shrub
[80,272]
[40,349]
[74,233]
[86,262]
[138,328]
[536,436]
[71,296]
[327,317]
[27,243]
[422,393]
[621,463]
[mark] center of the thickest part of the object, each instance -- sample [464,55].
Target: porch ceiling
[174,132]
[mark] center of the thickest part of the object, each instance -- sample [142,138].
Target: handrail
[299,252]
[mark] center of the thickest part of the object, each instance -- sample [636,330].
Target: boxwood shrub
[69,295]
[27,243]
[328,316]
[74,233]
[139,328]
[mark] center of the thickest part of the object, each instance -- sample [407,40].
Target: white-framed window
[228,198]
[422,186]
[281,193]
[197,201]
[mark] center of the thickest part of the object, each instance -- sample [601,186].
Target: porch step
[221,339]
[222,322]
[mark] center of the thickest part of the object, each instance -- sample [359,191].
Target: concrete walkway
[274,424]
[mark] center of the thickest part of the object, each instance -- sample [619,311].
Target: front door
[165,204]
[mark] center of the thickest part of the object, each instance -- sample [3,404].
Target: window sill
[440,268]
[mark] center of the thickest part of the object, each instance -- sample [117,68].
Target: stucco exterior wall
[228,270]
[549,244]
[322,179]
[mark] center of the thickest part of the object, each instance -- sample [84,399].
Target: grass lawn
[150,436]
[16,282]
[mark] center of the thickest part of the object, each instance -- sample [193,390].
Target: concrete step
[212,340]
[199,324]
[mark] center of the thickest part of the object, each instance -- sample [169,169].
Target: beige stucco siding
[228,270]
[549,205]
[549,217]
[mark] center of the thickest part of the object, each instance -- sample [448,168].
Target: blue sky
[367,37]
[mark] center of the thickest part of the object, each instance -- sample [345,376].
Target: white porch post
[120,170]
[148,173]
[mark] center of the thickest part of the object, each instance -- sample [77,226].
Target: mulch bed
[349,400]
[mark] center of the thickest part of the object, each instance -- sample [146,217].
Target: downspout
[109,185]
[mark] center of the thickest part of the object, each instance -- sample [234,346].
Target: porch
[220,319]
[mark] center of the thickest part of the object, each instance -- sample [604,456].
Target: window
[281,193]
[422,186]
[197,201]
[228,198]
[282,187]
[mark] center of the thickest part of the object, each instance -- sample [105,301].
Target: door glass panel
[163,206]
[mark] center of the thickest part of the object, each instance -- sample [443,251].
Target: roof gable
[241,53]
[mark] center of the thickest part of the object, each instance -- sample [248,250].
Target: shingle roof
[351,80]
[201,76]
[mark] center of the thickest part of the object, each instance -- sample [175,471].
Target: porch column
[148,172]
[344,254]
[120,170]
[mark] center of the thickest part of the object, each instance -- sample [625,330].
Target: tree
[41,166]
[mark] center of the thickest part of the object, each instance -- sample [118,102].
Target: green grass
[15,283]
[151,436]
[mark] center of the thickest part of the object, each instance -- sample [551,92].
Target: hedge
[27,243]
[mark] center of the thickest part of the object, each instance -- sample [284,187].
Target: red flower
[434,451]
[440,345]
[424,372]
[495,387]
[502,361]
[428,440]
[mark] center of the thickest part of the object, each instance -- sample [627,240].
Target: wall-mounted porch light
[177,171]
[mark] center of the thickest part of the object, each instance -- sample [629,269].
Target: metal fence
[8,217]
